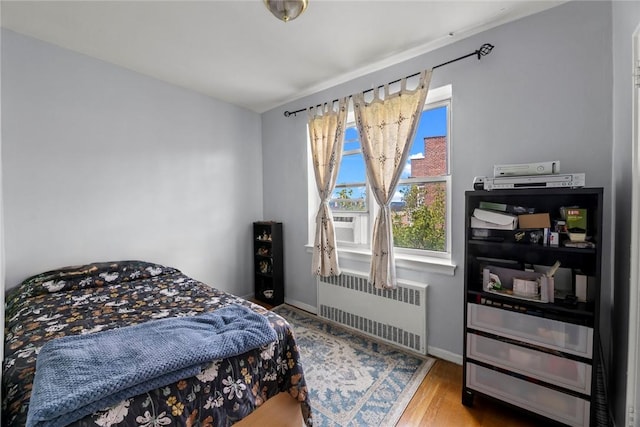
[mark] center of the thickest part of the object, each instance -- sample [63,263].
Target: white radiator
[398,316]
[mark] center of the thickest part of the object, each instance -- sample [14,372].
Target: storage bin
[553,404]
[563,372]
[552,334]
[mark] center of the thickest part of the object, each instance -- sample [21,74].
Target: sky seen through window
[433,122]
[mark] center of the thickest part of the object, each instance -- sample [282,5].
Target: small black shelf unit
[268,263]
[537,356]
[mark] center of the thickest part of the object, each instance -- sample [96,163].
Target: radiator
[397,316]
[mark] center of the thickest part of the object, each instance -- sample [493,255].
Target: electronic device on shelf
[569,180]
[523,169]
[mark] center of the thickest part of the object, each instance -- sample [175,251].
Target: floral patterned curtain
[326,134]
[387,128]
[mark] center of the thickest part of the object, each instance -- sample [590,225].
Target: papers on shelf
[525,285]
[483,218]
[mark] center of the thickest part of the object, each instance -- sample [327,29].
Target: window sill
[410,262]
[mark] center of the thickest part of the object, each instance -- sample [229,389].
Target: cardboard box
[538,220]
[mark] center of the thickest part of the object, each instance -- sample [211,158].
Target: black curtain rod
[484,50]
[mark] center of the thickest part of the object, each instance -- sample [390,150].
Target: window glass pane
[419,216]
[351,139]
[351,169]
[349,198]
[428,156]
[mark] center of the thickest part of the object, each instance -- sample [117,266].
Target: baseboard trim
[301,305]
[445,355]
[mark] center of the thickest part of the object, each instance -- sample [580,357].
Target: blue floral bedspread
[102,296]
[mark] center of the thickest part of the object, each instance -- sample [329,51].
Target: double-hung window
[421,205]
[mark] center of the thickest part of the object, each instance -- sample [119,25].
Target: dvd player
[569,180]
[525,169]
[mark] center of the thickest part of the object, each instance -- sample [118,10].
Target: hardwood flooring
[279,411]
[437,403]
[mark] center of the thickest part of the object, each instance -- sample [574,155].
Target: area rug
[352,379]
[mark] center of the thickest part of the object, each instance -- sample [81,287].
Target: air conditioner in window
[350,227]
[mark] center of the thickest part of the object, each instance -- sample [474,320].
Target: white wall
[101,163]
[626,21]
[544,93]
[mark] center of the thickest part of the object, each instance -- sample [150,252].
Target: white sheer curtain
[326,134]
[387,128]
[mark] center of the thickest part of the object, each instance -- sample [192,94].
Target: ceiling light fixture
[286,10]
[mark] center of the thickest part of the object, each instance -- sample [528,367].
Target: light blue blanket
[78,375]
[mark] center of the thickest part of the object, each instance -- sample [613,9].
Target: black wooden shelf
[273,281]
[535,308]
[529,247]
[498,327]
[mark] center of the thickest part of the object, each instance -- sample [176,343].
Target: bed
[75,301]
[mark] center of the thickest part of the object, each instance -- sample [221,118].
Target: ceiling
[237,52]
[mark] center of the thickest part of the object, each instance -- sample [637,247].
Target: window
[421,205]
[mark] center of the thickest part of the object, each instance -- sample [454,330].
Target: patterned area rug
[352,380]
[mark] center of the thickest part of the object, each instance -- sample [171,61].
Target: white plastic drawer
[552,334]
[553,369]
[553,404]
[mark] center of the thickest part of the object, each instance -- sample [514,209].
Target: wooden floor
[437,403]
[279,411]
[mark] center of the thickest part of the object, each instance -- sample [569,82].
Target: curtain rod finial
[484,50]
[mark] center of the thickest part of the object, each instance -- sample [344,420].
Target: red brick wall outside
[434,162]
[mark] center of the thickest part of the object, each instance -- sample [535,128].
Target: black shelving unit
[268,263]
[542,357]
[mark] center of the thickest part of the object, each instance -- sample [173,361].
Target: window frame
[406,258]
